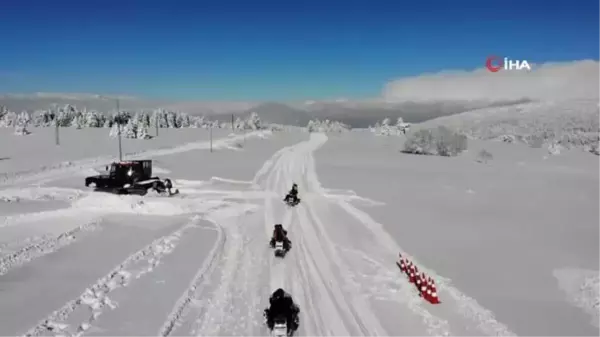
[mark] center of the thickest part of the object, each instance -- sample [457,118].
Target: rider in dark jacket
[281,303]
[293,193]
[280,234]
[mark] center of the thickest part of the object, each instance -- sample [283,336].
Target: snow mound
[39,194]
[160,170]
[109,203]
[148,205]
[582,289]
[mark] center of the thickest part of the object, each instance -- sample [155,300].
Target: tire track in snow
[96,296]
[47,245]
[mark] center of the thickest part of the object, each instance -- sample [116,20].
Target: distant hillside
[572,123]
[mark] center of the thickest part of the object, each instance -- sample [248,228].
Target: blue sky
[274,50]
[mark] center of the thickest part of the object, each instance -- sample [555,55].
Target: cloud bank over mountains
[549,81]
[416,99]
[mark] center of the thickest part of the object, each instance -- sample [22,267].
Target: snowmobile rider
[293,193]
[281,303]
[280,234]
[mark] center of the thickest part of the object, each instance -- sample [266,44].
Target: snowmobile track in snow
[96,296]
[194,291]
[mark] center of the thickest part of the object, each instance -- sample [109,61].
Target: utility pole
[56,126]
[232,128]
[211,150]
[156,123]
[119,122]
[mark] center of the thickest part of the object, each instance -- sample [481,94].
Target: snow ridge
[44,247]
[582,288]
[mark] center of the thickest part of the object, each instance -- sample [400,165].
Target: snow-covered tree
[131,128]
[93,119]
[440,141]
[254,122]
[114,130]
[23,120]
[326,126]
[183,120]
[239,124]
[171,120]
[9,119]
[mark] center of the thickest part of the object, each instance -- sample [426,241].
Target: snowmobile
[291,199]
[280,328]
[130,177]
[282,306]
[279,241]
[279,250]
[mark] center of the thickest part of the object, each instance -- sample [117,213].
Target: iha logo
[497,63]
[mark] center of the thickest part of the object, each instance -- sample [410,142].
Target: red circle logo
[493,63]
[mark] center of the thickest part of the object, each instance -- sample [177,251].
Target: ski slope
[199,263]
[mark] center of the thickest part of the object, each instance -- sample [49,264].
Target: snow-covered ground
[513,244]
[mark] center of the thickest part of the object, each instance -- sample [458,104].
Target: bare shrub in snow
[327,125]
[484,156]
[554,149]
[440,141]
[385,128]
[276,127]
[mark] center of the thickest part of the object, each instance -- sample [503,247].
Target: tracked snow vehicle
[130,177]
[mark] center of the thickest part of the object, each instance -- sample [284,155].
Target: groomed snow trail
[341,270]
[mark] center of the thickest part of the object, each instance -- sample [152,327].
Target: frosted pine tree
[21,125]
[9,120]
[143,123]
[183,120]
[171,120]
[92,119]
[114,130]
[78,121]
[198,122]
[3,112]
[254,121]
[131,128]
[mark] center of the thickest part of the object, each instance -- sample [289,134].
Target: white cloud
[549,81]
[70,96]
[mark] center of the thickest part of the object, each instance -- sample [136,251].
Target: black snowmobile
[291,199]
[280,242]
[282,314]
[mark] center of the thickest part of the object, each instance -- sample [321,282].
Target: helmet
[294,185]
[279,293]
[278,226]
